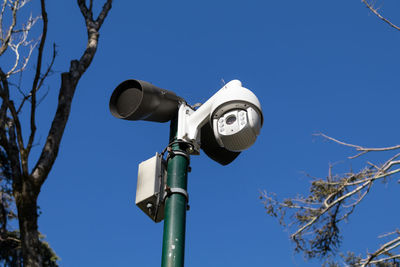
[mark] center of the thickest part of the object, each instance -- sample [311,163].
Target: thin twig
[370,7]
[6,40]
[36,79]
[383,249]
[363,150]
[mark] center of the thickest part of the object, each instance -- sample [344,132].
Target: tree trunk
[26,200]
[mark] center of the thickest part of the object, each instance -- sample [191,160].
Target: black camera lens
[230,120]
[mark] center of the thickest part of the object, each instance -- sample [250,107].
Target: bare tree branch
[103,13]
[370,7]
[26,186]
[41,81]
[91,5]
[383,250]
[357,147]
[3,8]
[36,78]
[21,40]
[6,39]
[87,13]
[9,143]
[331,201]
[69,81]
[15,122]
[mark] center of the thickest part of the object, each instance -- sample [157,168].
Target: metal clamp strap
[175,190]
[172,153]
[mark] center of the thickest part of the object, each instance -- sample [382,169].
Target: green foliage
[11,254]
[9,240]
[10,243]
[48,255]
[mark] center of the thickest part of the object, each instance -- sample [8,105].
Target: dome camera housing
[226,124]
[236,117]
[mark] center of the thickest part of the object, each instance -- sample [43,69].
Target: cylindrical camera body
[140,100]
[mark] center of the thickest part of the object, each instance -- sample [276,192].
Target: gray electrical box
[150,187]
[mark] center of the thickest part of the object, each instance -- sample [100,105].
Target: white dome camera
[226,124]
[236,117]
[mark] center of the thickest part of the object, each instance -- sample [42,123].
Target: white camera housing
[237,130]
[234,113]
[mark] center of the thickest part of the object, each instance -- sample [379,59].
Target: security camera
[140,100]
[235,117]
[226,124]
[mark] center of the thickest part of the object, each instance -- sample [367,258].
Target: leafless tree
[26,182]
[316,218]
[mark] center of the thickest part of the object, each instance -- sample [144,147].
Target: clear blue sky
[316,66]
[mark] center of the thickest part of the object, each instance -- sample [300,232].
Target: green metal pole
[173,252]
